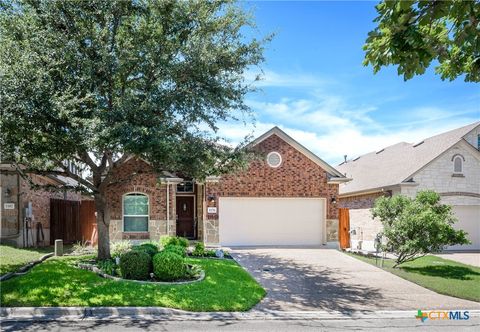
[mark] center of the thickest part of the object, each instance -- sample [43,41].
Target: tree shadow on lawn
[446,271]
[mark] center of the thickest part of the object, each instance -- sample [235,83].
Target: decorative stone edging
[24,269]
[99,272]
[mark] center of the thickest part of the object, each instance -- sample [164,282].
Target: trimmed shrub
[136,264]
[149,248]
[168,266]
[173,240]
[119,248]
[199,250]
[179,250]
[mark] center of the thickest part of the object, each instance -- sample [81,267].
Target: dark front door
[185,217]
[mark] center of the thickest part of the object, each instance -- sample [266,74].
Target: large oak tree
[97,82]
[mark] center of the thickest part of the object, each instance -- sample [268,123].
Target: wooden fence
[71,221]
[344,228]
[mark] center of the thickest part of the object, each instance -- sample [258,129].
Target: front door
[185,217]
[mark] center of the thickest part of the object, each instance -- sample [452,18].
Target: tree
[415,227]
[413,34]
[97,82]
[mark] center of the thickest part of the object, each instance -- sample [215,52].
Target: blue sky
[317,90]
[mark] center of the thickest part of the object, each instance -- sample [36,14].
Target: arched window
[135,212]
[458,164]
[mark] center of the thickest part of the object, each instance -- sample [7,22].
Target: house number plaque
[212,209]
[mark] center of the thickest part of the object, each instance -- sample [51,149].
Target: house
[26,214]
[448,163]
[287,197]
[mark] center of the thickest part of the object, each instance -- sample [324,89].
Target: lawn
[226,287]
[12,259]
[440,275]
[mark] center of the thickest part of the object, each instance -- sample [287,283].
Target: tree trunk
[103,225]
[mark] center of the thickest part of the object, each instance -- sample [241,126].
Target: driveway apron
[326,279]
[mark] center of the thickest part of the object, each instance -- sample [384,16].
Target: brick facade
[20,193]
[297,176]
[360,201]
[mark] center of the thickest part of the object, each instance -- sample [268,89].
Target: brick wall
[297,176]
[359,201]
[137,176]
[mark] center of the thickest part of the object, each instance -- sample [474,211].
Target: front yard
[11,259]
[440,275]
[227,287]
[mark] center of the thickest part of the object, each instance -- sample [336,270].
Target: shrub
[210,253]
[82,248]
[135,264]
[199,250]
[174,240]
[168,266]
[107,266]
[179,250]
[149,248]
[119,248]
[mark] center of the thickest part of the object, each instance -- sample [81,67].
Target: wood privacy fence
[344,228]
[71,221]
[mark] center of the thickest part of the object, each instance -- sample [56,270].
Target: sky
[316,89]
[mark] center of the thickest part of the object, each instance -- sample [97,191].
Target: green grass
[11,259]
[226,287]
[440,275]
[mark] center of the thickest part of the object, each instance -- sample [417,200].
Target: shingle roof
[396,163]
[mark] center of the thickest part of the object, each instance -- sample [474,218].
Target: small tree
[416,227]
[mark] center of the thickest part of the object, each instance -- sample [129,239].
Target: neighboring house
[448,163]
[18,201]
[287,197]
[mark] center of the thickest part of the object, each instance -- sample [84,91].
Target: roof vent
[380,151]
[418,144]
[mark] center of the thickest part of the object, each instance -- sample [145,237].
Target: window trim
[279,156]
[454,159]
[129,215]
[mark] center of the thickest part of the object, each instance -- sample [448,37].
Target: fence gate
[344,228]
[64,220]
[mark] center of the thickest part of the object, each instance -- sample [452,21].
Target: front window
[457,165]
[135,213]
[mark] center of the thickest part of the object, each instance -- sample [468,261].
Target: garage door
[469,221]
[271,221]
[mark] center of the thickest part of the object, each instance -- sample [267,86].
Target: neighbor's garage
[469,220]
[247,221]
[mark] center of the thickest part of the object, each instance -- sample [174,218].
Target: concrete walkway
[469,258]
[326,279]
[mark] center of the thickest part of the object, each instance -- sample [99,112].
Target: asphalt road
[402,324]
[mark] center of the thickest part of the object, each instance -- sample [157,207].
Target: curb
[160,314]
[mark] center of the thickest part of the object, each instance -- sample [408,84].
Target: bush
[174,240]
[179,250]
[199,250]
[149,248]
[119,248]
[210,253]
[136,264]
[107,266]
[168,266]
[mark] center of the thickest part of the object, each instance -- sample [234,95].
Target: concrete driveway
[326,279]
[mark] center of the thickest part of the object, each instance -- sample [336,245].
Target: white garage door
[469,221]
[271,221]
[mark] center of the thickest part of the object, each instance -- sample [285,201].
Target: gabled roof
[336,176]
[397,163]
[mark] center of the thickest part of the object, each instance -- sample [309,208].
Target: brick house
[18,200]
[288,197]
[448,163]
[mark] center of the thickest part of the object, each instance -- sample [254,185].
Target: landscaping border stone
[99,272]
[24,269]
